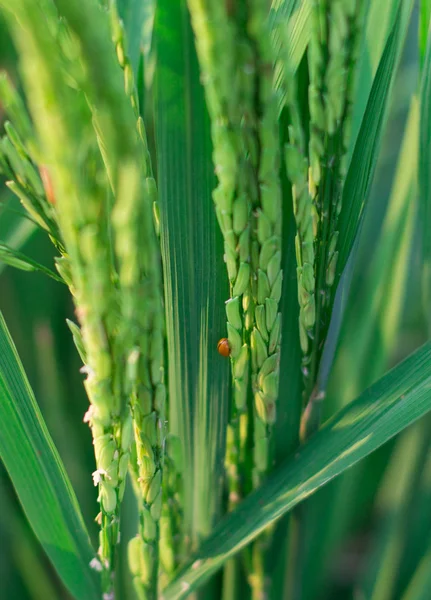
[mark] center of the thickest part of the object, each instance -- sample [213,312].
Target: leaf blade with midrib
[39,478]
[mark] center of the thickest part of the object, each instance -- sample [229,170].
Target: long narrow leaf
[380,20]
[291,25]
[397,506]
[420,585]
[425,179]
[196,283]
[39,478]
[367,146]
[382,411]
[20,231]
[368,336]
[24,550]
[424,25]
[14,258]
[133,14]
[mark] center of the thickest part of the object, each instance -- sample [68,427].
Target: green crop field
[215,299]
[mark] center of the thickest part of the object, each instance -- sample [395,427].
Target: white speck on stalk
[89,414]
[196,564]
[87,371]
[133,357]
[96,565]
[97,476]
[185,586]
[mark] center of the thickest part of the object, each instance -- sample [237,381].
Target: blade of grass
[418,533]
[194,273]
[398,399]
[420,585]
[25,551]
[38,476]
[20,233]
[417,517]
[14,258]
[372,322]
[381,18]
[133,13]
[396,512]
[290,22]
[425,180]
[424,24]
[22,547]
[367,145]
[367,339]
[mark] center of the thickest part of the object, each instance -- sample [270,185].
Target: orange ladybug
[223,347]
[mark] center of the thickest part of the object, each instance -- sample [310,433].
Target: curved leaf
[39,478]
[19,233]
[368,337]
[386,408]
[424,26]
[14,258]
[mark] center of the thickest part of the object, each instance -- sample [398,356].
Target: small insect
[223,347]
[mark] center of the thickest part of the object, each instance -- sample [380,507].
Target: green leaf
[425,179]
[19,231]
[134,13]
[39,478]
[424,27]
[24,550]
[406,480]
[380,20]
[376,302]
[368,337]
[14,258]
[386,408]
[420,585]
[290,23]
[417,519]
[196,284]
[367,145]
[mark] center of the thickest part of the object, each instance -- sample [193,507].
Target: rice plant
[215,218]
